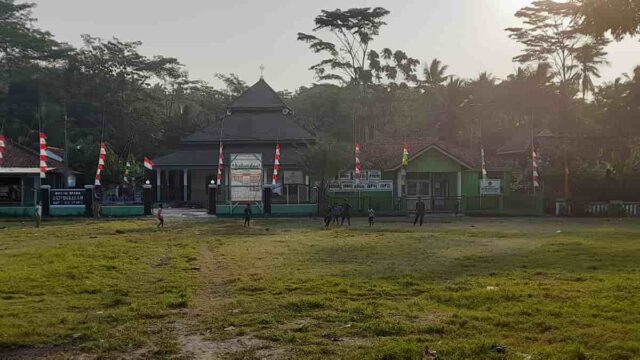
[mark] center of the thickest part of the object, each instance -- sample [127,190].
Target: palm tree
[434,74]
[589,57]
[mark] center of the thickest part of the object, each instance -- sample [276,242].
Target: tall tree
[551,35]
[598,17]
[589,56]
[435,73]
[349,60]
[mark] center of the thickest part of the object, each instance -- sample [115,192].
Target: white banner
[246,177]
[490,187]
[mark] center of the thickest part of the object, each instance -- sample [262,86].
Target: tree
[435,73]
[551,35]
[597,17]
[350,60]
[21,44]
[589,56]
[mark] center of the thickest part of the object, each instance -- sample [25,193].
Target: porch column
[158,182]
[185,181]
[459,183]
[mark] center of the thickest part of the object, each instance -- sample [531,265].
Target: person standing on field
[160,217]
[247,215]
[38,213]
[420,209]
[372,216]
[346,213]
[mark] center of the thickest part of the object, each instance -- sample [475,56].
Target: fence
[119,195]
[598,208]
[291,194]
[513,204]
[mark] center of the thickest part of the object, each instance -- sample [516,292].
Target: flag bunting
[405,155]
[43,155]
[220,164]
[534,163]
[358,168]
[2,146]
[276,166]
[148,163]
[101,159]
[484,164]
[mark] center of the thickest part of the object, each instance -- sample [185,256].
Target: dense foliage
[143,105]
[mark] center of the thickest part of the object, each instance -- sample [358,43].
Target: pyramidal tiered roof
[258,115]
[260,96]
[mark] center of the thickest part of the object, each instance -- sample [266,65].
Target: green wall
[276,210]
[433,161]
[17,211]
[66,211]
[122,211]
[378,200]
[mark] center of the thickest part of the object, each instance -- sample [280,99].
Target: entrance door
[440,192]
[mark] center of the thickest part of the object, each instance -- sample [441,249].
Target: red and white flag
[534,163]
[276,166]
[148,163]
[484,164]
[220,164]
[2,146]
[43,155]
[101,159]
[358,168]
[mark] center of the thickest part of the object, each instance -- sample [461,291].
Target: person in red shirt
[160,217]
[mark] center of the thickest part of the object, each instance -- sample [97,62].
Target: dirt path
[212,298]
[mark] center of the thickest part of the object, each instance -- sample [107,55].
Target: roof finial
[261,71]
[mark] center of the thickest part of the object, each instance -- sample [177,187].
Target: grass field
[288,289]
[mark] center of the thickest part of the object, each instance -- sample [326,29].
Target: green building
[447,178]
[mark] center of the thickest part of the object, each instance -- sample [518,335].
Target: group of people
[338,213]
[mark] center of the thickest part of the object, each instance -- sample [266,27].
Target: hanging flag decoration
[358,166]
[534,163]
[126,172]
[484,164]
[2,146]
[43,155]
[405,155]
[220,164]
[148,163]
[101,159]
[276,166]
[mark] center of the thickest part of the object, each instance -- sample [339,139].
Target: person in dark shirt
[336,212]
[328,217]
[346,213]
[247,215]
[420,208]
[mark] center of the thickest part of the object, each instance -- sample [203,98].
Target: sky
[238,36]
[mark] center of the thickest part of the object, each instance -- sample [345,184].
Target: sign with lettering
[66,197]
[293,177]
[490,187]
[246,177]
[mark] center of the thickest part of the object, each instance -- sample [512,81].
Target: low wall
[17,211]
[122,211]
[62,211]
[284,210]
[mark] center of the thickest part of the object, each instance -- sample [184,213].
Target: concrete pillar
[88,200]
[459,183]
[147,198]
[266,198]
[44,192]
[185,183]
[158,182]
[211,208]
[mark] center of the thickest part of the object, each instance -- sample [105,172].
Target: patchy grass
[460,287]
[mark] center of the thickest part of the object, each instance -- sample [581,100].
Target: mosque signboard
[246,177]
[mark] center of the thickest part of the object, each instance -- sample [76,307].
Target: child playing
[38,213]
[247,215]
[160,217]
[372,216]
